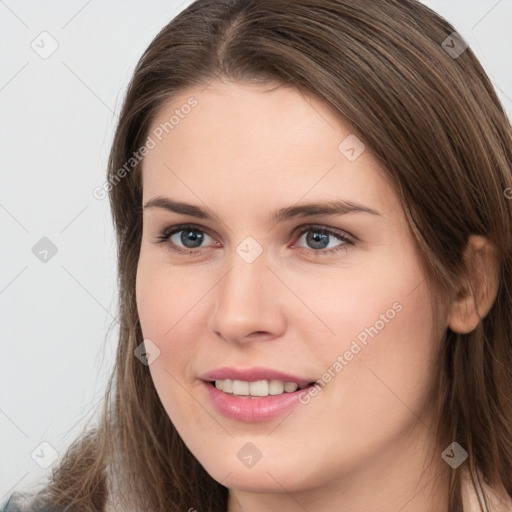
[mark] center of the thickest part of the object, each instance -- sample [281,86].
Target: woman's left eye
[321,235]
[192,236]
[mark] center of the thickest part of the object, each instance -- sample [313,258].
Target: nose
[249,303]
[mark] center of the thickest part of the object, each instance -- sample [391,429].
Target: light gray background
[58,116]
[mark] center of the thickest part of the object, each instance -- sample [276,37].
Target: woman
[312,207]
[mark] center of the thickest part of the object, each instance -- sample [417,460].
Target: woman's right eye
[189,235]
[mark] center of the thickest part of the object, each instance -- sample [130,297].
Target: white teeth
[257,388]
[227,386]
[240,387]
[276,387]
[290,387]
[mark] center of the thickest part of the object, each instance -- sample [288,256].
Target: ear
[476,296]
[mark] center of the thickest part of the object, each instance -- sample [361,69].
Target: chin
[261,478]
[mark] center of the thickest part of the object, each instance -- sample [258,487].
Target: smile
[251,408]
[259,388]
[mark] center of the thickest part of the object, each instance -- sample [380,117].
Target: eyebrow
[338,207]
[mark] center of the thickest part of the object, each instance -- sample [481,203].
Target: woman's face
[245,296]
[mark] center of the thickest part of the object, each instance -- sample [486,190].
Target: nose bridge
[246,298]
[242,285]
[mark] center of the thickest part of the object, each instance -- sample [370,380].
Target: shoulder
[22,502]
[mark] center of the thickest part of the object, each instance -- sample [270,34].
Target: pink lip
[252,409]
[253,374]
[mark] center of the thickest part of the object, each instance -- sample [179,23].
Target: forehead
[244,141]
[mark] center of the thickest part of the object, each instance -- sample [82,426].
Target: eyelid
[323,227]
[176,228]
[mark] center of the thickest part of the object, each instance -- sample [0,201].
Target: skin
[361,443]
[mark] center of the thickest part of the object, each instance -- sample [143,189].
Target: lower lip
[252,409]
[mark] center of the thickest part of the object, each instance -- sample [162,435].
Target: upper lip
[253,374]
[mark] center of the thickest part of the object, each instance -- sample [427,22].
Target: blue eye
[190,234]
[319,236]
[193,236]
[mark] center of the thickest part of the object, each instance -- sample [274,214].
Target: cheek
[172,316]
[155,308]
[165,307]
[388,347]
[381,324]
[164,300]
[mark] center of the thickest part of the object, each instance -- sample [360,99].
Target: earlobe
[476,296]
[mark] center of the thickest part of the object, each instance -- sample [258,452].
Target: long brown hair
[434,122]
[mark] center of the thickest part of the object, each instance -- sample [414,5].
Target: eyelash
[168,232]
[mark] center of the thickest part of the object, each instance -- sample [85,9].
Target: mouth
[254,394]
[258,388]
[255,401]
